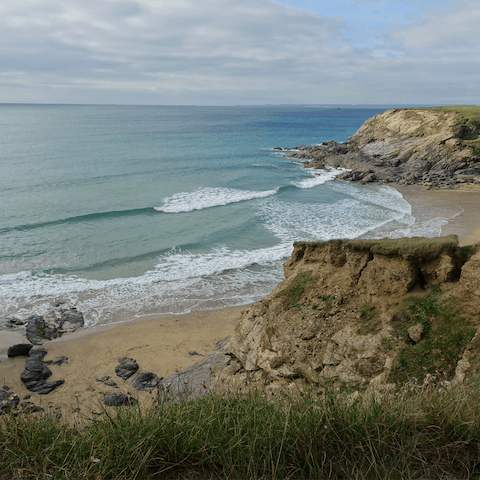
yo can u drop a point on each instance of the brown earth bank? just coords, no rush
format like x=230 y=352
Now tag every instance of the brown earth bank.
x=362 y=313
x=427 y=146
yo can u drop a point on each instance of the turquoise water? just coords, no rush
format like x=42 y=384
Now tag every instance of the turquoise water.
x=125 y=210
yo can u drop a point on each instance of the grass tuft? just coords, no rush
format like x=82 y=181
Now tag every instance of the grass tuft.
x=294 y=292
x=432 y=433
x=406 y=247
x=445 y=334
x=467 y=125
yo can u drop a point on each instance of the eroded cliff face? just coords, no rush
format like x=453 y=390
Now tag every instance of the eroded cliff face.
x=406 y=146
x=340 y=315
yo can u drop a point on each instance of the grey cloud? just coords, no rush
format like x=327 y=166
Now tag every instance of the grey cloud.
x=214 y=52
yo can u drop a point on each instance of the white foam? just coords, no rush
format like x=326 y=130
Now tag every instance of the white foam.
x=318 y=177
x=220 y=272
x=293 y=221
x=182 y=280
x=10 y=278
x=366 y=209
x=383 y=196
x=180 y=265
x=208 y=197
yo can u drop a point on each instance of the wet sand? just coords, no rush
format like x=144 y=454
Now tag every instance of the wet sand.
x=464 y=199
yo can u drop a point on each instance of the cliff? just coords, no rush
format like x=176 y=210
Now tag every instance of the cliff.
x=361 y=312
x=428 y=146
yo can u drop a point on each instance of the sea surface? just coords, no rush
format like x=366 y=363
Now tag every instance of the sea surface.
x=123 y=211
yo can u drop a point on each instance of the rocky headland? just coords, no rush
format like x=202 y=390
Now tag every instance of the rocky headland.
x=426 y=146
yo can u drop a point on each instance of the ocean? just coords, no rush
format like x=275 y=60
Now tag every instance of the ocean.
x=124 y=211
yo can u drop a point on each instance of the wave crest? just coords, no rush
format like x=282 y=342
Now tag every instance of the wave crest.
x=319 y=177
x=208 y=197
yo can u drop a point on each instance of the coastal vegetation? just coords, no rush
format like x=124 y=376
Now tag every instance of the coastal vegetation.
x=395 y=246
x=419 y=431
x=443 y=336
x=294 y=291
x=467 y=126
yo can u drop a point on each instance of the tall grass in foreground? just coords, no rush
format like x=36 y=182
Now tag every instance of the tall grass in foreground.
x=424 y=434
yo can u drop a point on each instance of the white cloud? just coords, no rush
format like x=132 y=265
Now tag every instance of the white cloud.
x=456 y=25
x=226 y=52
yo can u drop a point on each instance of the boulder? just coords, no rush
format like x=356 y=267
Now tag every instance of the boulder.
x=126 y=367
x=12 y=322
x=195 y=380
x=117 y=399
x=146 y=381
x=36 y=372
x=21 y=349
x=8 y=401
x=53 y=325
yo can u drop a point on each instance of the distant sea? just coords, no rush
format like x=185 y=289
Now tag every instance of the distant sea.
x=124 y=211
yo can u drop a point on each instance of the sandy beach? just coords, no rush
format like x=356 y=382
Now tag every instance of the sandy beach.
x=159 y=344
x=464 y=199
x=165 y=344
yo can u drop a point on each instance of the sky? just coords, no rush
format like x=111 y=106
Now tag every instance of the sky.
x=240 y=52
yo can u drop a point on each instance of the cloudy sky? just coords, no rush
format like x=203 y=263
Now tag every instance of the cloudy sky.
x=234 y=52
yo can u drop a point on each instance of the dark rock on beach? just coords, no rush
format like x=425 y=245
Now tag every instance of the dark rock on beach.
x=21 y=349
x=12 y=322
x=126 y=367
x=146 y=381
x=106 y=380
x=195 y=380
x=117 y=399
x=57 y=360
x=8 y=401
x=53 y=325
x=37 y=330
x=36 y=372
x=29 y=407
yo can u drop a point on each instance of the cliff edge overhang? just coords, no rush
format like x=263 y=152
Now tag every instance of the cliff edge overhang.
x=362 y=312
x=438 y=146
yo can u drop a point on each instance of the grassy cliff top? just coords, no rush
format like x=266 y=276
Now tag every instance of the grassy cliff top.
x=414 y=246
x=466 y=127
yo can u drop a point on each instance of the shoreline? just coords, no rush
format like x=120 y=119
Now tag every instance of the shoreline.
x=161 y=343
x=465 y=224
x=462 y=200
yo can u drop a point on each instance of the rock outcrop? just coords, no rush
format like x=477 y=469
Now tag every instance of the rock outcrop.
x=126 y=368
x=197 y=379
x=19 y=350
x=53 y=325
x=405 y=146
x=36 y=372
x=146 y=381
x=344 y=315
